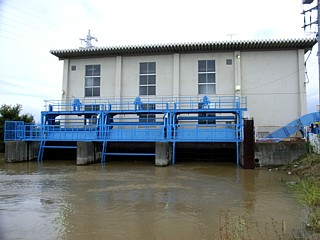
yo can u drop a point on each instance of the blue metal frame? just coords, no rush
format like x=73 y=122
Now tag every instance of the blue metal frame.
x=184 y=119
x=292 y=127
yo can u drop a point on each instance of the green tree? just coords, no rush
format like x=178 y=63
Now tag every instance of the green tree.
x=11 y=113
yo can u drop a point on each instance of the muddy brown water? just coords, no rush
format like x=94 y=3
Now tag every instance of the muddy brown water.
x=136 y=200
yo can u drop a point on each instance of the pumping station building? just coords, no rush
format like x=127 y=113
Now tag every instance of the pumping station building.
x=171 y=101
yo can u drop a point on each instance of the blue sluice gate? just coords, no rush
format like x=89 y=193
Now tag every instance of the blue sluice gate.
x=172 y=120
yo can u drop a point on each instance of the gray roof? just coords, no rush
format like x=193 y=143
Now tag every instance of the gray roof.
x=276 y=44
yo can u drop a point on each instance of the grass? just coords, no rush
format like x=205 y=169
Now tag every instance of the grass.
x=307 y=192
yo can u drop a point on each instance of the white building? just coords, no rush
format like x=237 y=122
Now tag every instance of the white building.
x=270 y=73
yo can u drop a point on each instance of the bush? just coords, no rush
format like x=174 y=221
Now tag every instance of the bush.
x=11 y=113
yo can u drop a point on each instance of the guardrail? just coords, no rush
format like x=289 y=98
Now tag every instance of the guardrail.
x=169 y=119
x=138 y=103
x=138 y=132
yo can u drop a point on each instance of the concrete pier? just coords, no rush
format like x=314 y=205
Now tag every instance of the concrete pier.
x=163 y=154
x=85 y=153
x=18 y=151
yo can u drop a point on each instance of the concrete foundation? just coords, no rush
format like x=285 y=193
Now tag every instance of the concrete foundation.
x=163 y=154
x=275 y=154
x=85 y=153
x=18 y=151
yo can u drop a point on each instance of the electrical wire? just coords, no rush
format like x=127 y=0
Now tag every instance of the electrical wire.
x=15 y=21
x=273 y=81
x=37 y=17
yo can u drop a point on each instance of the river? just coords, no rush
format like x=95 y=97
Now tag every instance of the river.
x=136 y=200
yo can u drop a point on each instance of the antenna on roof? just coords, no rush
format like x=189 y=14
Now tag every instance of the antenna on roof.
x=88 y=39
x=231 y=35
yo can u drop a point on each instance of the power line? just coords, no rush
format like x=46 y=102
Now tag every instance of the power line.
x=33 y=27
x=35 y=30
x=37 y=17
x=45 y=47
x=275 y=80
x=25 y=34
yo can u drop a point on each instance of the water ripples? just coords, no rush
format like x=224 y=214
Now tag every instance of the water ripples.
x=59 y=200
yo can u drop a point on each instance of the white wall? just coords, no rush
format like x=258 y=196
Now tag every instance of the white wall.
x=273 y=81
x=189 y=73
x=76 y=78
x=130 y=74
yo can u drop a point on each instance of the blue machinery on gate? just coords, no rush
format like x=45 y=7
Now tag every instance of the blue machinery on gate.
x=167 y=119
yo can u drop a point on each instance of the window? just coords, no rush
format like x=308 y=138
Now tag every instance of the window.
x=206 y=77
x=147 y=117
x=92 y=81
x=73 y=68
x=147 y=78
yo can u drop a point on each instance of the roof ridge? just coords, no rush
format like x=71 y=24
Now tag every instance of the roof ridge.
x=294 y=43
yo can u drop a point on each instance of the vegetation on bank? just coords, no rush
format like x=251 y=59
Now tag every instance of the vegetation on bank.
x=307 y=192
x=11 y=113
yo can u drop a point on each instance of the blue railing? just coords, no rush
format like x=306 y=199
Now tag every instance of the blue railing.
x=180 y=133
x=161 y=103
x=136 y=119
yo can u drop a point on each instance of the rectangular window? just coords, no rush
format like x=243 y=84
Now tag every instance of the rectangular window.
x=206 y=77
x=92 y=81
x=147 y=117
x=147 y=78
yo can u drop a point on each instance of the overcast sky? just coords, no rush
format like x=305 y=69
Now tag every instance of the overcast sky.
x=29 y=29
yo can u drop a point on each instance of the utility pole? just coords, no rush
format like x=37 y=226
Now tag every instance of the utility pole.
x=317 y=8
x=88 y=39
x=318 y=54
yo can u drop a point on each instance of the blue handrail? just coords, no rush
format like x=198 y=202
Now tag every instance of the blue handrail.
x=183 y=119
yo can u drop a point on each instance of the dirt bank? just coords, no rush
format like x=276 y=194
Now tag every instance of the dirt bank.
x=307 y=166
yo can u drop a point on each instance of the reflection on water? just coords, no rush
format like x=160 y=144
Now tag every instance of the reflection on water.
x=126 y=200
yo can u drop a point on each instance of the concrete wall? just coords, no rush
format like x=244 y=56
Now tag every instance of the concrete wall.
x=274 y=154
x=18 y=151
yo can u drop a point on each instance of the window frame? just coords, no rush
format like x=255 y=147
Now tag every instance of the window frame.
x=92 y=82
x=147 y=78
x=207 y=76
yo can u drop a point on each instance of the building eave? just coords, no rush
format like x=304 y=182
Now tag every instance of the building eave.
x=254 y=45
